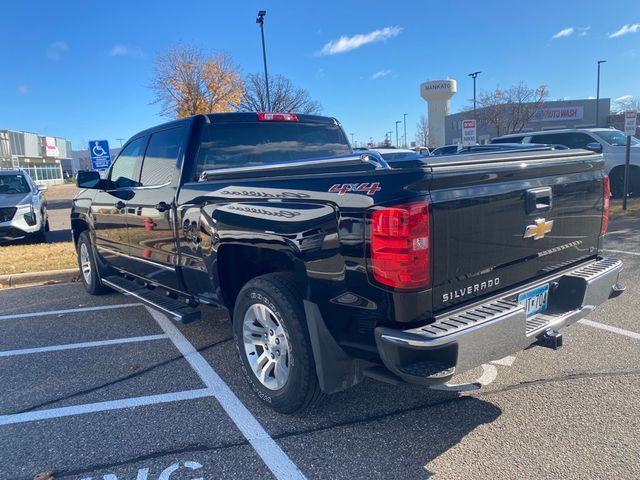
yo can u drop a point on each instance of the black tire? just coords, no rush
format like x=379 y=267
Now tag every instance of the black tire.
x=41 y=236
x=616 y=177
x=91 y=278
x=277 y=292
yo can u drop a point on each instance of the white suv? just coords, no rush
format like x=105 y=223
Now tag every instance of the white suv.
x=611 y=142
x=23 y=208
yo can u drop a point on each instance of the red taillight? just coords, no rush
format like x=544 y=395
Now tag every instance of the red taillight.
x=400 y=245
x=277 y=117
x=606 y=192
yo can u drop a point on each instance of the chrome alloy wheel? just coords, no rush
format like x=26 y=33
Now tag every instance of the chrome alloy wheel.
x=266 y=346
x=85 y=263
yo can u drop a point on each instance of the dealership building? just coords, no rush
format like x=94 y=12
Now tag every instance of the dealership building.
x=41 y=156
x=552 y=115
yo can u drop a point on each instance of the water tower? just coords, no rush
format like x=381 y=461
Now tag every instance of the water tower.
x=437 y=93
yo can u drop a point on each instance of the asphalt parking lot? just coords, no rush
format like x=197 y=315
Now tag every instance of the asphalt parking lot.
x=103 y=388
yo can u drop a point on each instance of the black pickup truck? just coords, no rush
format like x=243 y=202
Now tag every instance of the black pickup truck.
x=334 y=266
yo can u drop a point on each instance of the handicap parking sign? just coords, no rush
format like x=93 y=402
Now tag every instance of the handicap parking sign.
x=100 y=156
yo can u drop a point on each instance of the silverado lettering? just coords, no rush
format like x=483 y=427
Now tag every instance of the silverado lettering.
x=478 y=287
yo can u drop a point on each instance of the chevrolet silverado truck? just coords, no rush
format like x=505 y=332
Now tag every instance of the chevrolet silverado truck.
x=334 y=266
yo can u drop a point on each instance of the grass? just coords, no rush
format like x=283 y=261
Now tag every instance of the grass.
x=633 y=208
x=37 y=257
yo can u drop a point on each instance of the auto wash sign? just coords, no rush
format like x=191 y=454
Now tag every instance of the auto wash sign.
x=555 y=114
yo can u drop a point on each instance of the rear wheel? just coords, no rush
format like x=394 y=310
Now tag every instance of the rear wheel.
x=617 y=181
x=272 y=340
x=89 y=274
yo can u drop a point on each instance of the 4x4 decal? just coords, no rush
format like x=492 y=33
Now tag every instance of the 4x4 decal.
x=368 y=188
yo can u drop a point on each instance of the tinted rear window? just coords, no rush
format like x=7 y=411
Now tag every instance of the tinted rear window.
x=226 y=145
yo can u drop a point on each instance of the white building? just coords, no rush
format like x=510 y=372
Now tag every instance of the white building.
x=40 y=156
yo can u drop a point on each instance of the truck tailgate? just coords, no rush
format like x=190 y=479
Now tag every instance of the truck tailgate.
x=504 y=220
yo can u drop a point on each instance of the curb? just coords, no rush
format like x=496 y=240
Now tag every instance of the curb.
x=38 y=278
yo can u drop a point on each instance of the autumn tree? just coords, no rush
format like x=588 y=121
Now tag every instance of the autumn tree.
x=509 y=111
x=422 y=132
x=285 y=96
x=187 y=82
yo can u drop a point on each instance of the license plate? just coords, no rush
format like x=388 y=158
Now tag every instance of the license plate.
x=535 y=300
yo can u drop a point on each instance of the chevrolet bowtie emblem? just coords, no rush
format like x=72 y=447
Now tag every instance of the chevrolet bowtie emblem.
x=539 y=230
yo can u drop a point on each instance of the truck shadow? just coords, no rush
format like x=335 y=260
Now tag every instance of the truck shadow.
x=373 y=430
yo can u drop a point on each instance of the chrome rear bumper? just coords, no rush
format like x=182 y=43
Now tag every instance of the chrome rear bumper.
x=467 y=338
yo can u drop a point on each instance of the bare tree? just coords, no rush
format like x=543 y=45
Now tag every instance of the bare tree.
x=285 y=97
x=627 y=104
x=422 y=132
x=187 y=82
x=509 y=111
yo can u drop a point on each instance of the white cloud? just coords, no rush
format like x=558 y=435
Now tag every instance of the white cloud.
x=23 y=89
x=565 y=32
x=346 y=44
x=56 y=50
x=380 y=74
x=628 y=28
x=623 y=98
x=118 y=50
x=583 y=31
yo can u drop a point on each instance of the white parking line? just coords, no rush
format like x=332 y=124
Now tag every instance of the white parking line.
x=72 y=346
x=70 y=310
x=609 y=328
x=103 y=406
x=622 y=252
x=272 y=455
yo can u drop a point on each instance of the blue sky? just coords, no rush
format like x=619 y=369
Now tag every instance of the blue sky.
x=80 y=69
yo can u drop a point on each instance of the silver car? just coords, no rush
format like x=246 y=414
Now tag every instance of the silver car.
x=23 y=208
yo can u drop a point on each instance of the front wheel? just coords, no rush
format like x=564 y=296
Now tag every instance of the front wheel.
x=272 y=340
x=88 y=272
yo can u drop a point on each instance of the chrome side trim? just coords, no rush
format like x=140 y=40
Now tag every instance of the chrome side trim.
x=152 y=187
x=130 y=257
x=297 y=163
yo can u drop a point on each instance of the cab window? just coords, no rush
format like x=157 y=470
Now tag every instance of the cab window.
x=159 y=165
x=568 y=139
x=123 y=171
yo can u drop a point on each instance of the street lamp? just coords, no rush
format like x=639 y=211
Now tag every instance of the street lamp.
x=260 y=20
x=474 y=75
x=352 y=143
x=397 y=122
x=598 y=93
x=404 y=119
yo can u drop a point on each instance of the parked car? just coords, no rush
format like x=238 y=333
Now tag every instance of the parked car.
x=611 y=142
x=444 y=150
x=334 y=265
x=23 y=208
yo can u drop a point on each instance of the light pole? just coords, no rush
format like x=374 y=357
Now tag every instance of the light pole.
x=404 y=138
x=260 y=20
x=397 y=122
x=598 y=92
x=352 y=143
x=120 y=140
x=474 y=75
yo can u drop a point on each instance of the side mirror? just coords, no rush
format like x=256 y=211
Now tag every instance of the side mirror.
x=42 y=188
x=594 y=147
x=88 y=179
